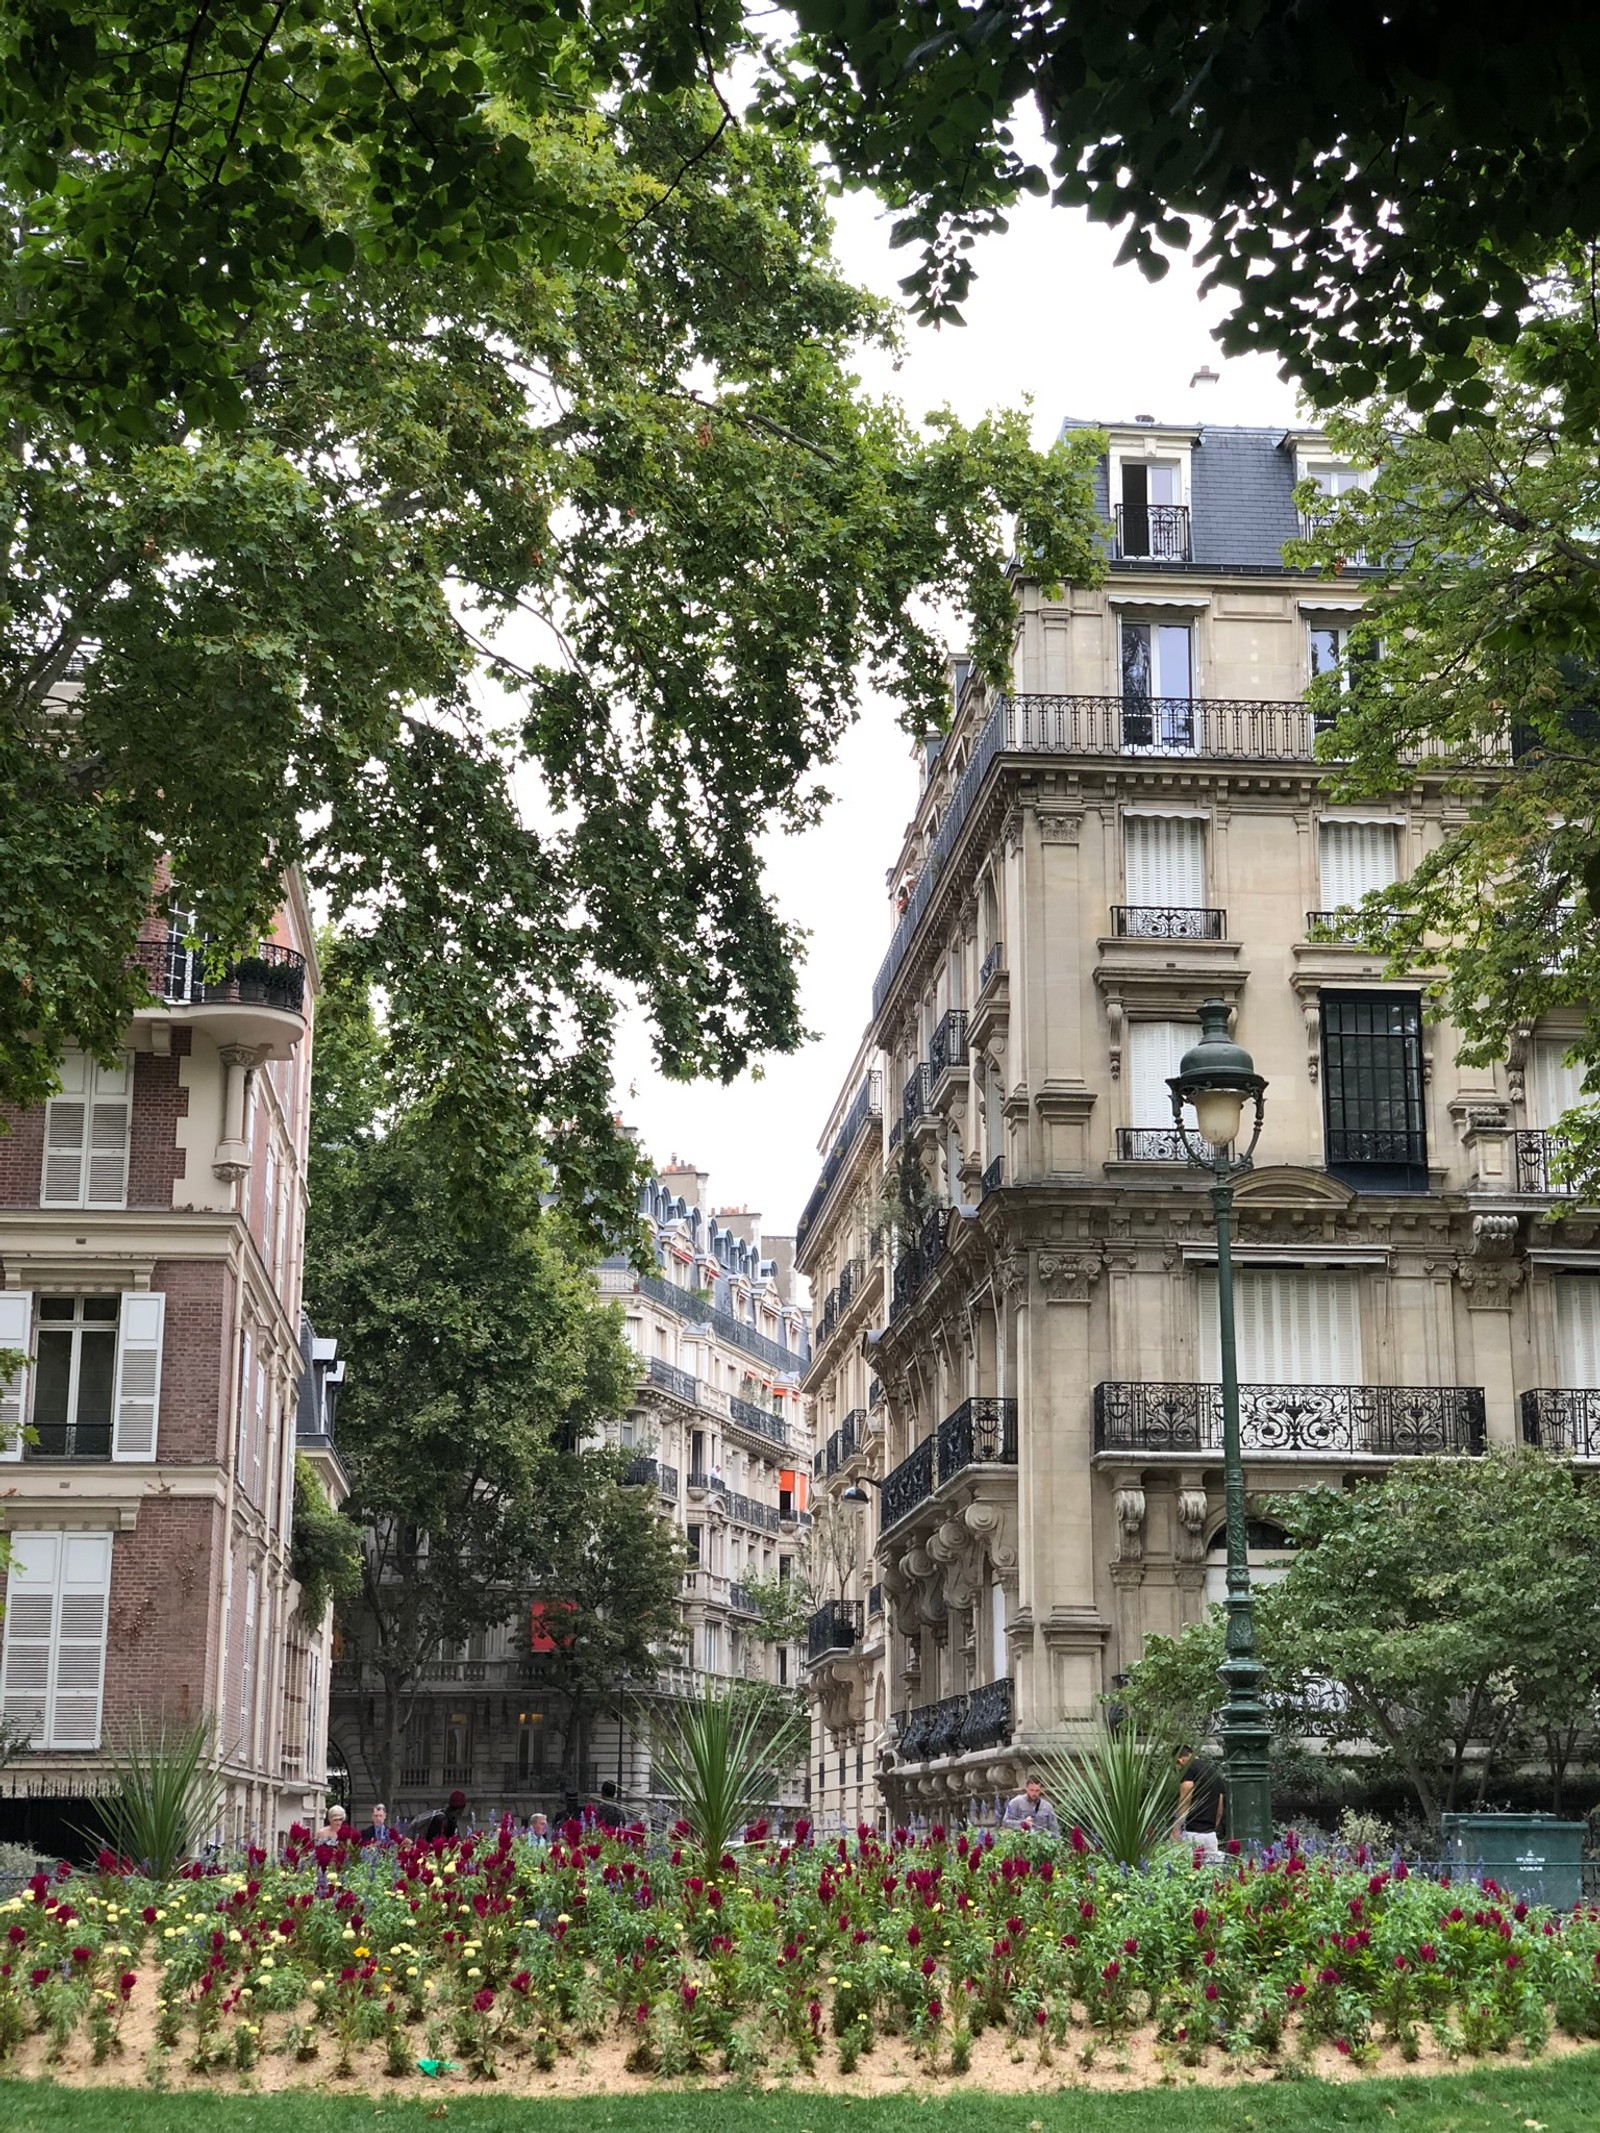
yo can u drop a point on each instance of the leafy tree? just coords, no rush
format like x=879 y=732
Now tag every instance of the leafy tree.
x=1480 y=649
x=475 y=1340
x=325 y=1549
x=1377 y=186
x=609 y=1570
x=494 y=528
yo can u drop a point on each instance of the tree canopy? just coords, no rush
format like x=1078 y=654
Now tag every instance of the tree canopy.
x=1375 y=184
x=512 y=564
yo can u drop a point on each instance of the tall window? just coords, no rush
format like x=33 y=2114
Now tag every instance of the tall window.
x=1293 y=1325
x=1151 y=518
x=1372 y=1089
x=86 y=1134
x=1157 y=686
x=1164 y=862
x=1557 y=1087
x=76 y=1373
x=1154 y=1050
x=53 y=1666
x=1356 y=858
x=1578 y=1328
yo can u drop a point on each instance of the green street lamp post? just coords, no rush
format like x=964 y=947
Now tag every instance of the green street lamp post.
x=1218 y=1078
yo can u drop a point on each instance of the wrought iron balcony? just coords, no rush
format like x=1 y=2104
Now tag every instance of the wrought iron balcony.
x=271 y=976
x=722 y=1323
x=948 y=1047
x=990 y=1715
x=907 y=1280
x=763 y=1516
x=1151 y=1144
x=667 y=1377
x=1376 y=1421
x=1167 y=922
x=874 y=1600
x=993 y=1178
x=1152 y=533
x=645 y=1473
x=852 y=1279
x=741 y=1600
x=914 y=1099
x=760 y=1421
x=956 y=1725
x=1531 y=1152
x=1330 y=925
x=835 y=1627
x=875 y=1394
x=991 y=964
x=981 y=1432
x=909 y=1484
x=1563 y=1421
x=934 y=1237
x=866 y=1105
x=700 y=1481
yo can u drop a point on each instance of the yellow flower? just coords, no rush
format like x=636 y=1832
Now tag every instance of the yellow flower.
x=267 y=1963
x=349 y=1932
x=474 y=1973
x=363 y=1951
x=411 y=1970
x=564 y=1919
x=319 y=1984
x=235 y=1934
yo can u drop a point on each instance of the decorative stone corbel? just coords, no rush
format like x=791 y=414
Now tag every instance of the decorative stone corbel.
x=1192 y=1508
x=1117 y=1026
x=232 y=1159
x=1130 y=1518
x=1068 y=1277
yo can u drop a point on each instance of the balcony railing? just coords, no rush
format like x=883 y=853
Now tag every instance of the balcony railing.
x=990 y=967
x=1331 y=925
x=874 y=1600
x=835 y=1627
x=759 y=1420
x=1378 y=1421
x=1532 y=1151
x=667 y=1377
x=723 y=1323
x=763 y=1516
x=993 y=1178
x=647 y=1473
x=909 y=1484
x=917 y=1261
x=741 y=1599
x=956 y=1724
x=914 y=1098
x=867 y=1104
x=1563 y=1421
x=948 y=1047
x=1152 y=533
x=1164 y=922
x=981 y=1432
x=271 y=976
x=1151 y=1144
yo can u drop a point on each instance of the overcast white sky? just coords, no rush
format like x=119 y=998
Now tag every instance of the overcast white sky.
x=1050 y=320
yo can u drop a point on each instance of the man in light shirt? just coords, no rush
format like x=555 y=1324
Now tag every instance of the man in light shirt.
x=1031 y=1810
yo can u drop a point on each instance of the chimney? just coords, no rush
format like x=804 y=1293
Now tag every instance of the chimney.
x=744 y=1225
x=686 y=1182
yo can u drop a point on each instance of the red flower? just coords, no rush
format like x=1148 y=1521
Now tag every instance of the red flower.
x=1130 y=1947
x=1297 y=1991
x=1427 y=1953
x=37 y=1977
x=148 y=1914
x=82 y=1955
x=1112 y=1970
x=1327 y=1977
x=1201 y=1917
x=690 y=1993
x=929 y=1966
x=935 y=2010
x=1212 y=1992
x=482 y=2000
x=1342 y=2044
x=126 y=1983
x=17 y=1935
x=914 y=1937
x=1078 y=1840
x=802 y=1830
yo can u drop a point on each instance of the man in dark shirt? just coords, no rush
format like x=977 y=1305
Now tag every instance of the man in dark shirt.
x=606 y=1811
x=1200 y=1801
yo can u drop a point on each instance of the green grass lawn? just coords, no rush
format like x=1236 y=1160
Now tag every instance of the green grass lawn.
x=1559 y=2098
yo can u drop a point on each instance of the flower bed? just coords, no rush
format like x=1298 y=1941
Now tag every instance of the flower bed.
x=493 y=1957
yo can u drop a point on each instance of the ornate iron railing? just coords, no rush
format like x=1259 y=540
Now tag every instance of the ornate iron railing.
x=1167 y=922
x=1151 y=1144
x=990 y=1715
x=867 y=1104
x=741 y=1600
x=945 y=1721
x=981 y=1432
x=907 y=1280
x=667 y=1377
x=934 y=1237
x=991 y=965
x=1152 y=533
x=723 y=1323
x=874 y=1600
x=993 y=1178
x=1565 y=1420
x=852 y=1280
x=1531 y=1151
x=852 y=1434
x=835 y=1627
x=907 y=1485
x=948 y=1046
x=270 y=976
x=758 y=1420
x=1329 y=925
x=642 y=1473
x=914 y=1098
x=763 y=1516
x=1383 y=1421
x=875 y=1394
x=699 y=1481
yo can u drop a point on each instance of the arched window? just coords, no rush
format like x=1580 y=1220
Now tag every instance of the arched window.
x=1269 y=1552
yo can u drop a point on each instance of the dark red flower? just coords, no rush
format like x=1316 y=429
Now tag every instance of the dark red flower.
x=482 y=2000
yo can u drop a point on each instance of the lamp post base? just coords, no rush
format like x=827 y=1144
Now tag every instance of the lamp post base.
x=1246 y=1753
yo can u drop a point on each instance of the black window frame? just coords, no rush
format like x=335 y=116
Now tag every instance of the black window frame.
x=1364 y=1143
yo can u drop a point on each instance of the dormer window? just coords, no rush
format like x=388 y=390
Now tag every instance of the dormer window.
x=1152 y=517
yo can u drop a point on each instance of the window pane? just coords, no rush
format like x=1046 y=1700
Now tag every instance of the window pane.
x=52 y=1380
x=56 y=1307
x=1372 y=1082
x=101 y=1309
x=97 y=1370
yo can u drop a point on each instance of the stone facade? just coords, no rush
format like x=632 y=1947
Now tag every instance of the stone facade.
x=1139 y=827
x=151 y=1224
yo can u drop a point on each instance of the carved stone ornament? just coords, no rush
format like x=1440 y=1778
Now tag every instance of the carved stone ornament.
x=1494 y=1236
x=995 y=1526
x=1058 y=826
x=1517 y=1062
x=1068 y=1277
x=1130 y=1519
x=1191 y=1535
x=1117 y=1025
x=1490 y=1286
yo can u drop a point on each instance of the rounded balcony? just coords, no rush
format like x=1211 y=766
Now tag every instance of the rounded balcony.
x=256 y=999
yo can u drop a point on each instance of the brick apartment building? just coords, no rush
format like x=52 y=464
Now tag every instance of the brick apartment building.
x=151 y=1226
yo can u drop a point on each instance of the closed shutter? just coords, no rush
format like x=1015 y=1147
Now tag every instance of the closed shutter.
x=53 y=1674
x=1578 y=1329
x=241 y=1452
x=247 y=1673
x=1165 y=861
x=1356 y=858
x=110 y=1122
x=1291 y=1327
x=1557 y=1087
x=66 y=1130
x=1154 y=1050
x=16 y=1325
x=258 y=1432
x=80 y=1665
x=86 y=1132
x=138 y=1395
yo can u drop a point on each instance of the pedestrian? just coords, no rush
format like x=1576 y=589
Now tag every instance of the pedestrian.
x=538 y=1829
x=1029 y=1809
x=378 y=1830
x=333 y=1830
x=1201 y=1802
x=606 y=1810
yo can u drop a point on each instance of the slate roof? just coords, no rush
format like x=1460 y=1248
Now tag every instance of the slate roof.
x=1241 y=495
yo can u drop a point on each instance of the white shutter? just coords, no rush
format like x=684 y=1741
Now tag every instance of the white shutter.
x=1557 y=1087
x=110 y=1121
x=241 y=1450
x=66 y=1128
x=80 y=1657
x=1356 y=858
x=258 y=1431
x=1154 y=1050
x=247 y=1673
x=1291 y=1327
x=16 y=1324
x=138 y=1395
x=1578 y=1329
x=1165 y=861
x=29 y=1633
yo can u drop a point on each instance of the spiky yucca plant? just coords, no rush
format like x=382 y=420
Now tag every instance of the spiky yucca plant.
x=168 y=1793
x=718 y=1762
x=1123 y=1793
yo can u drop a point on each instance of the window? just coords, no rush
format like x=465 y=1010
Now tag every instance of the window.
x=1154 y=1050
x=1157 y=686
x=1293 y=1326
x=53 y=1669
x=713 y=1640
x=1268 y=1551
x=1356 y=858
x=1151 y=519
x=1557 y=1087
x=247 y=1674
x=75 y=1372
x=86 y=1134
x=1164 y=861
x=1372 y=1089
x=1578 y=1329
x=692 y=1539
